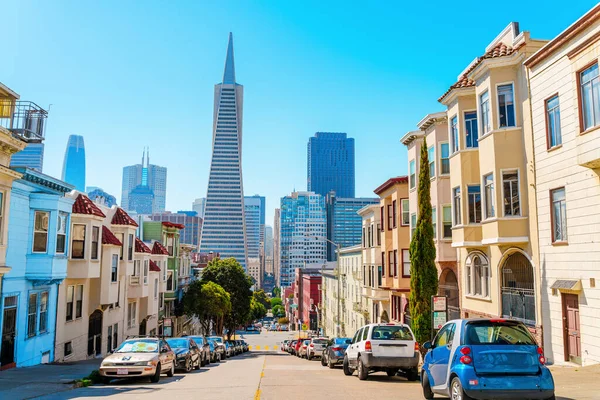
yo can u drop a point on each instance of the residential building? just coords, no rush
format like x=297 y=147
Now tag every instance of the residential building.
x=492 y=183
x=376 y=298
x=192 y=224
x=255 y=272
x=97 y=195
x=277 y=247
x=329 y=303
x=307 y=295
x=344 y=225
x=434 y=129
x=198 y=206
x=37 y=244
x=302 y=233
x=73 y=171
x=32 y=156
x=564 y=86
x=331 y=164
x=223 y=230
x=395 y=244
x=144 y=187
x=353 y=306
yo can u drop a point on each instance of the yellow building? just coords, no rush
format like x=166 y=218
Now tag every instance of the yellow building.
x=491 y=172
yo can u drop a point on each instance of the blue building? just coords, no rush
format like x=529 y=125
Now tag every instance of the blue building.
x=31 y=156
x=331 y=164
x=37 y=252
x=73 y=171
x=98 y=195
x=344 y=225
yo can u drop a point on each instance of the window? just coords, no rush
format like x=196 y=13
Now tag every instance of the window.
x=395 y=263
x=364 y=242
x=382 y=218
x=78 y=301
x=454 y=133
x=456 y=202
x=131 y=309
x=95 y=239
x=78 y=241
x=40 y=232
x=161 y=300
x=378 y=234
x=434 y=222
x=405 y=263
x=365 y=333
x=553 y=122
x=510 y=187
x=130 y=248
x=114 y=268
x=1 y=216
x=164 y=270
x=390 y=263
x=589 y=89
x=121 y=237
x=447 y=221
x=170 y=282
x=506 y=105
x=43 y=312
x=413 y=170
x=68 y=349
x=371 y=238
x=413 y=224
x=61 y=232
x=383 y=264
x=484 y=104
x=115 y=335
x=32 y=315
x=474 y=193
x=559 y=215
x=379 y=276
x=70 y=296
x=488 y=181
x=135 y=278
x=444 y=159
x=445 y=336
x=155 y=288
x=170 y=241
x=109 y=345
x=145 y=272
x=394 y=207
x=431 y=158
x=477 y=275
x=404 y=204
x=390 y=217
x=471 y=130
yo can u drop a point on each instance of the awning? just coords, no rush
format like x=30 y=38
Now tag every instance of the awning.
x=567 y=285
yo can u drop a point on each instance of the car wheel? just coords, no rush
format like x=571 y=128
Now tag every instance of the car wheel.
x=330 y=363
x=427 y=392
x=309 y=357
x=156 y=377
x=346 y=367
x=105 y=380
x=171 y=371
x=391 y=372
x=456 y=390
x=198 y=363
x=188 y=365
x=412 y=374
x=363 y=372
x=323 y=363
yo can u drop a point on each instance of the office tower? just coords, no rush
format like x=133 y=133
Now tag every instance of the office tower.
x=149 y=183
x=268 y=241
x=331 y=164
x=198 y=206
x=32 y=156
x=223 y=230
x=277 y=247
x=192 y=223
x=303 y=233
x=252 y=212
x=98 y=195
x=73 y=171
x=344 y=225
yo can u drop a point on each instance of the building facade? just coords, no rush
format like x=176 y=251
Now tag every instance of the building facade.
x=353 y=307
x=144 y=187
x=331 y=164
x=26 y=120
x=223 y=230
x=32 y=156
x=192 y=224
x=302 y=233
x=97 y=195
x=277 y=247
x=73 y=171
x=252 y=214
x=198 y=206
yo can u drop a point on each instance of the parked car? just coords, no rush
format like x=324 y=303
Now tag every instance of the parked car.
x=315 y=347
x=245 y=346
x=292 y=347
x=214 y=355
x=205 y=352
x=298 y=346
x=144 y=356
x=285 y=345
x=284 y=327
x=383 y=347
x=303 y=351
x=233 y=346
x=187 y=353
x=241 y=345
x=335 y=351
x=221 y=346
x=475 y=358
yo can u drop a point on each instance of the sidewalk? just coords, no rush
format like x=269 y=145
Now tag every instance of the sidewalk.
x=31 y=382
x=580 y=383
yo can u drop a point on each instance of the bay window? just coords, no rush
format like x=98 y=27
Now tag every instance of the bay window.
x=447 y=221
x=61 y=232
x=589 y=88
x=474 y=193
x=506 y=105
x=484 y=107
x=510 y=187
x=488 y=182
x=456 y=204
x=431 y=159
x=444 y=159
x=78 y=241
x=454 y=133
x=40 y=232
x=471 y=130
x=412 y=166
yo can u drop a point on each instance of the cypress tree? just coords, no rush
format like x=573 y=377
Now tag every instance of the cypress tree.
x=423 y=276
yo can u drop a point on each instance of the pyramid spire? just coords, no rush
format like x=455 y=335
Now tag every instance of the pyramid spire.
x=229 y=73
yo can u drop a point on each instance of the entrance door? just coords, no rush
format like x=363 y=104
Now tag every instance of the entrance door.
x=143 y=327
x=95 y=334
x=572 y=334
x=9 y=326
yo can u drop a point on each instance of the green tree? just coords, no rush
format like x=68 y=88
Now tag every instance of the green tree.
x=276 y=301
x=278 y=311
x=257 y=311
x=283 y=321
x=262 y=298
x=231 y=276
x=423 y=274
x=208 y=302
x=276 y=292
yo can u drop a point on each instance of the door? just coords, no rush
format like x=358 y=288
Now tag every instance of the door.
x=352 y=350
x=572 y=336
x=440 y=354
x=9 y=326
x=95 y=334
x=143 y=327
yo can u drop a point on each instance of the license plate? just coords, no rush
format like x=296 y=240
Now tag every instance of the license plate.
x=122 y=371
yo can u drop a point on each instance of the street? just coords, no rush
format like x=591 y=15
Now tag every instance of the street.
x=273 y=375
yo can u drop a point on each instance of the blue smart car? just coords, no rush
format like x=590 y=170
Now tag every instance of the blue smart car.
x=485 y=359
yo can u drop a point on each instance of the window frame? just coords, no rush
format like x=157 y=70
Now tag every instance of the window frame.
x=395 y=263
x=73 y=240
x=485 y=196
x=456 y=206
x=64 y=224
x=413 y=225
x=78 y=301
x=404 y=262
x=445 y=222
x=556 y=117
x=475 y=142
x=405 y=210
x=95 y=253
x=469 y=204
x=114 y=268
x=70 y=305
x=505 y=171
x=431 y=160
x=485 y=129
x=582 y=127
x=412 y=172
x=514 y=102
x=442 y=158
x=37 y=232
x=434 y=221
x=454 y=135
x=43 y=325
x=130 y=247
x=32 y=311
x=389 y=217
x=565 y=238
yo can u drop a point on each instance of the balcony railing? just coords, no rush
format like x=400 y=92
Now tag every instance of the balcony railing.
x=25 y=119
x=134 y=280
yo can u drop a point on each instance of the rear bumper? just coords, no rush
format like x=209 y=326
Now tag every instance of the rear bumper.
x=509 y=394
x=371 y=361
x=316 y=353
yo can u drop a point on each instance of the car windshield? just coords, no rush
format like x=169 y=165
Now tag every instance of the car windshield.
x=393 y=332
x=498 y=332
x=138 y=346
x=306 y=341
x=342 y=341
x=320 y=341
x=199 y=340
x=216 y=338
x=178 y=343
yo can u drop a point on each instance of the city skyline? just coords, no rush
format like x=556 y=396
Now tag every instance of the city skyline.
x=74 y=163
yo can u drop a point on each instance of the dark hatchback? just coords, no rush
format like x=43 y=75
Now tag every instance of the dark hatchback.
x=335 y=351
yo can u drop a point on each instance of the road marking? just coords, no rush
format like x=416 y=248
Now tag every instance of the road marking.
x=262 y=375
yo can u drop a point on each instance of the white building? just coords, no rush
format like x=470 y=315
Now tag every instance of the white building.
x=354 y=312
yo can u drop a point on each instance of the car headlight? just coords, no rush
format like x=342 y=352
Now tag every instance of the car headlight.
x=182 y=355
x=144 y=363
x=107 y=364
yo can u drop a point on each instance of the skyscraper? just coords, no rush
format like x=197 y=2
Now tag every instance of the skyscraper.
x=277 y=247
x=331 y=164
x=223 y=230
x=31 y=156
x=268 y=241
x=252 y=215
x=198 y=206
x=303 y=227
x=148 y=183
x=73 y=171
x=98 y=195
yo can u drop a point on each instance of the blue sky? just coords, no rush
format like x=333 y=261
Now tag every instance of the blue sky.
x=131 y=74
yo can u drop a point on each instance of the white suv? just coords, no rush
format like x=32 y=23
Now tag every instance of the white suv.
x=383 y=347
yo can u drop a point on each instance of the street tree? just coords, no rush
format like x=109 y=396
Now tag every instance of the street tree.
x=257 y=311
x=278 y=311
x=276 y=292
x=423 y=273
x=276 y=301
x=231 y=276
x=262 y=298
x=208 y=302
x=283 y=321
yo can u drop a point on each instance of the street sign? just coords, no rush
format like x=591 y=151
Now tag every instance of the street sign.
x=304 y=327
x=439 y=303
x=167 y=322
x=439 y=319
x=439 y=313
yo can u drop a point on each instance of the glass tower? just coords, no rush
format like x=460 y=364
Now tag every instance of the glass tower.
x=223 y=229
x=31 y=156
x=252 y=213
x=331 y=164
x=73 y=171
x=140 y=178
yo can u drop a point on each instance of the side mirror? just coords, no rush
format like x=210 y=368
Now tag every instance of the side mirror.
x=164 y=350
x=427 y=346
